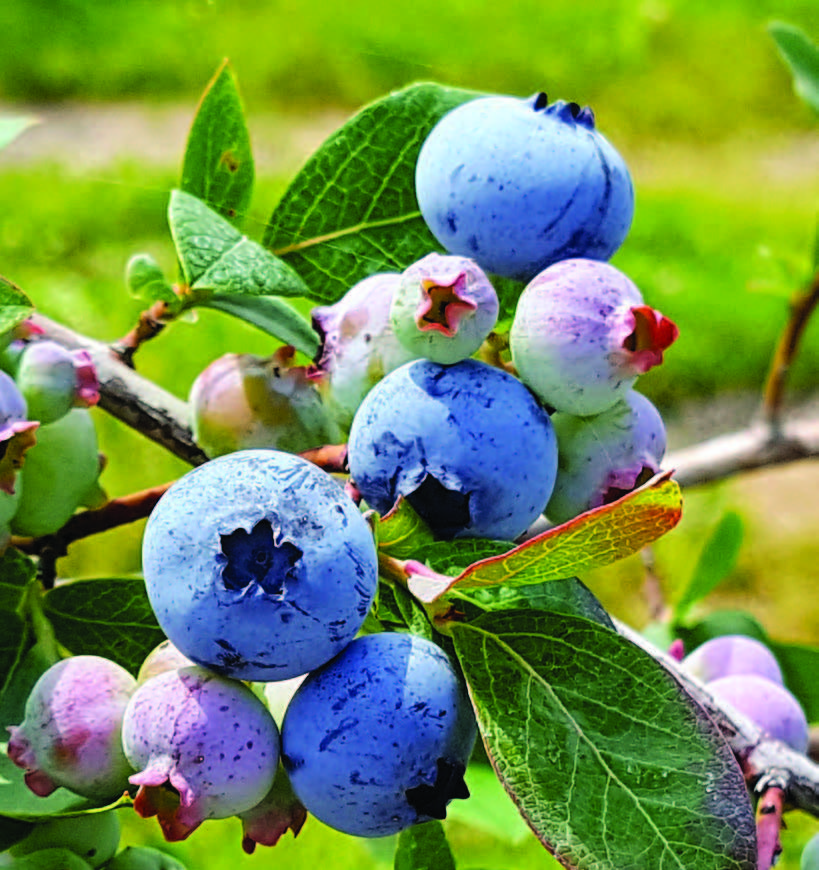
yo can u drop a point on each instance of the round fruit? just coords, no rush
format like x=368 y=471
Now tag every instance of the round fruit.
x=581 y=335
x=771 y=706
x=204 y=746
x=379 y=738
x=601 y=458
x=94 y=837
x=258 y=565
x=518 y=184
x=467 y=445
x=810 y=854
x=70 y=735
x=732 y=654
x=444 y=308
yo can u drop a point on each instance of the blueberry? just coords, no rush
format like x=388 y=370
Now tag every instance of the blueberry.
x=601 y=458
x=242 y=401
x=60 y=474
x=379 y=738
x=768 y=704
x=581 y=335
x=71 y=733
x=467 y=445
x=518 y=184
x=53 y=380
x=358 y=344
x=94 y=837
x=732 y=654
x=810 y=854
x=444 y=308
x=258 y=565
x=204 y=747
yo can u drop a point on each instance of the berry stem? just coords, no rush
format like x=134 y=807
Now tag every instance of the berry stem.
x=773 y=396
x=768 y=824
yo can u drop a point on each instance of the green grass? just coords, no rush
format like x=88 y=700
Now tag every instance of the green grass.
x=696 y=70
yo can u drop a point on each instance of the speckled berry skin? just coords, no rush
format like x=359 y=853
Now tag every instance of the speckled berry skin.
x=601 y=458
x=358 y=344
x=377 y=740
x=209 y=738
x=518 y=184
x=732 y=654
x=444 y=308
x=581 y=335
x=467 y=445
x=770 y=705
x=258 y=565
x=71 y=733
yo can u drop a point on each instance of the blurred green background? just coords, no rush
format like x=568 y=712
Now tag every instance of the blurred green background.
x=725 y=160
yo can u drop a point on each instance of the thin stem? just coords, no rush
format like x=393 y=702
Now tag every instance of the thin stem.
x=150 y=323
x=773 y=394
x=768 y=825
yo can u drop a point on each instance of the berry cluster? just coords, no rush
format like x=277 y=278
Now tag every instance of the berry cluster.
x=45 y=391
x=745 y=674
x=261 y=568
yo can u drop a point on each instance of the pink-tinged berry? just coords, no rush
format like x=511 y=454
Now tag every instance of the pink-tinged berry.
x=53 y=380
x=768 y=704
x=582 y=334
x=17 y=434
x=603 y=457
x=444 y=308
x=71 y=733
x=241 y=401
x=732 y=654
x=204 y=747
x=358 y=344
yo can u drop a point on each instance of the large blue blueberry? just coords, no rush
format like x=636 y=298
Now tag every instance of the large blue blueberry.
x=467 y=445
x=379 y=738
x=518 y=184
x=258 y=565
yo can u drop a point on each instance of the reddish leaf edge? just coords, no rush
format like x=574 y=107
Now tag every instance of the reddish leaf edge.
x=428 y=586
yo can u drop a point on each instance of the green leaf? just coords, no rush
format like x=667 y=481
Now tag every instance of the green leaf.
x=454 y=557
x=12 y=831
x=396 y=608
x=802 y=57
x=146 y=280
x=16 y=570
x=218 y=164
x=402 y=532
x=11 y=128
x=569 y=595
x=424 y=847
x=15 y=306
x=217 y=258
x=32 y=661
x=51 y=859
x=351 y=211
x=610 y=762
x=17 y=801
x=109 y=617
x=717 y=560
x=271 y=314
x=800 y=665
x=591 y=540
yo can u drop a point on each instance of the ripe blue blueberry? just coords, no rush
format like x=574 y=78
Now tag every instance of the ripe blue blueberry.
x=258 y=565
x=601 y=458
x=518 y=184
x=467 y=445
x=581 y=335
x=732 y=654
x=770 y=705
x=444 y=308
x=204 y=747
x=379 y=738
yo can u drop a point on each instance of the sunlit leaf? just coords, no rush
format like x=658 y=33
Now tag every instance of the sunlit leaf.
x=802 y=57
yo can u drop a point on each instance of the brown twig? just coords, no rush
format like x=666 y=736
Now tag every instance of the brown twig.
x=773 y=394
x=150 y=323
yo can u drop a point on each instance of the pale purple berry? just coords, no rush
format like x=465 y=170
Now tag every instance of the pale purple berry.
x=53 y=380
x=71 y=733
x=582 y=334
x=444 y=308
x=732 y=654
x=164 y=657
x=17 y=434
x=358 y=345
x=768 y=704
x=601 y=458
x=242 y=401
x=204 y=747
